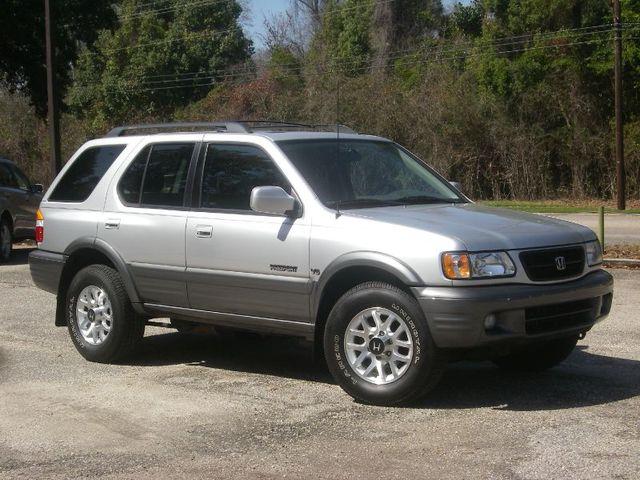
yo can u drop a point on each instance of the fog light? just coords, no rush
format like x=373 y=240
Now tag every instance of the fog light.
x=490 y=322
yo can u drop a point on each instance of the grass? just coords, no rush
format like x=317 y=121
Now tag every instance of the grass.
x=562 y=205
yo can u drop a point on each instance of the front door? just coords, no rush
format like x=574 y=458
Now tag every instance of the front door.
x=240 y=261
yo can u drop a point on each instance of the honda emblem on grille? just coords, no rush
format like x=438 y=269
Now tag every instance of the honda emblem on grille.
x=561 y=263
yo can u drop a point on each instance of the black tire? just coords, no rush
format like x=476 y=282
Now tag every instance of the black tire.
x=5 y=229
x=127 y=327
x=426 y=367
x=538 y=357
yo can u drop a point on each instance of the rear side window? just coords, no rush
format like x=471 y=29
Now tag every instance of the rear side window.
x=158 y=176
x=232 y=171
x=85 y=173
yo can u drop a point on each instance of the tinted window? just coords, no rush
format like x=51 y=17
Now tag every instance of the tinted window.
x=363 y=173
x=131 y=181
x=232 y=171
x=6 y=178
x=21 y=178
x=85 y=173
x=165 y=178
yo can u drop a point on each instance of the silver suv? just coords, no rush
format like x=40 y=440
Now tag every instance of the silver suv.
x=348 y=240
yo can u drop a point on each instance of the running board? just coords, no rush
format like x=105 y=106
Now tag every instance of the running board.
x=234 y=320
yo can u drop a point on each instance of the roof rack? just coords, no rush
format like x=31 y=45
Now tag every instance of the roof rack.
x=230 y=127
x=239 y=126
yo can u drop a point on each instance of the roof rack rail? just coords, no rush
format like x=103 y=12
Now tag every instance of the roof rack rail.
x=272 y=125
x=230 y=127
x=236 y=126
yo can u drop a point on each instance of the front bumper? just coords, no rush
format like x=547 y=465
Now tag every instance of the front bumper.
x=46 y=269
x=523 y=313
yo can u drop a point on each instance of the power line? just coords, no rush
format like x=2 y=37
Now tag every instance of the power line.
x=167 y=9
x=454 y=52
x=173 y=78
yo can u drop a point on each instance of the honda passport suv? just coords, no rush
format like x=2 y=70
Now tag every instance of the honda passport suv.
x=347 y=240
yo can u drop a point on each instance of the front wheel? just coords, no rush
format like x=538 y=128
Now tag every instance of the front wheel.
x=102 y=323
x=538 y=357
x=378 y=346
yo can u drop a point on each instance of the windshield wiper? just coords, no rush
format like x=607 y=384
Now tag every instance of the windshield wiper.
x=362 y=202
x=418 y=199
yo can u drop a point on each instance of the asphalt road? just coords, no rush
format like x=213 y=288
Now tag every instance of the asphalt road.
x=619 y=229
x=191 y=406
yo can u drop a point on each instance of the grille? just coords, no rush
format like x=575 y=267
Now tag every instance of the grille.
x=560 y=316
x=541 y=265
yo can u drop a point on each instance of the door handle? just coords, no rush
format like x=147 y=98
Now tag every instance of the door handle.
x=112 y=224
x=204 y=231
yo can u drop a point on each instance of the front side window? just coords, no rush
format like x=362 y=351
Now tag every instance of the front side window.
x=365 y=173
x=21 y=179
x=157 y=177
x=6 y=178
x=82 y=177
x=232 y=171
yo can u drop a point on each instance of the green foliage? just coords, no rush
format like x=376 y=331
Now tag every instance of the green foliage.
x=344 y=36
x=131 y=68
x=511 y=97
x=467 y=19
x=22 y=62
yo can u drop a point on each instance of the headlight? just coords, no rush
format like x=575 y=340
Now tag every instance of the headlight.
x=594 y=253
x=477 y=265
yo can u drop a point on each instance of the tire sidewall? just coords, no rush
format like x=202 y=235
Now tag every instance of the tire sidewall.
x=424 y=357
x=5 y=227
x=85 y=277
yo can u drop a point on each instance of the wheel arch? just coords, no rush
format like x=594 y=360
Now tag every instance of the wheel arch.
x=350 y=270
x=89 y=251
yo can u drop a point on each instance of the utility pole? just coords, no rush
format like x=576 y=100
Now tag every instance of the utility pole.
x=620 y=171
x=52 y=93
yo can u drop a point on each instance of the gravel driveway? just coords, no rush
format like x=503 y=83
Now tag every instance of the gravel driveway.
x=196 y=406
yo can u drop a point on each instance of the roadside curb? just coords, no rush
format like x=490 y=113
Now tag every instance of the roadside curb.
x=626 y=262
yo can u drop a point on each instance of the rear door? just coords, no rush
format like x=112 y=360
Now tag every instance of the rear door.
x=240 y=261
x=145 y=217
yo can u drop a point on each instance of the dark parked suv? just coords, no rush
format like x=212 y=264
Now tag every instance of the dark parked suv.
x=19 y=200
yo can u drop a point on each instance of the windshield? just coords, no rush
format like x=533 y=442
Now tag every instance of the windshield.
x=366 y=173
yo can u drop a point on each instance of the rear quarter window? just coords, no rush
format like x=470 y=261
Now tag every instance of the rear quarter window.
x=82 y=177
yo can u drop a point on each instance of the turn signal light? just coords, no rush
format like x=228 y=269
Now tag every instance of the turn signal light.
x=456 y=265
x=39 y=227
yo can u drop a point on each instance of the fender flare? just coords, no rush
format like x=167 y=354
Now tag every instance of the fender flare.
x=93 y=243
x=378 y=260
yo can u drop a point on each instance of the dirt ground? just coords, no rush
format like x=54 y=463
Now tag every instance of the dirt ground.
x=197 y=406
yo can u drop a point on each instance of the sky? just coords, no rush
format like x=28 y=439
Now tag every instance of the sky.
x=259 y=9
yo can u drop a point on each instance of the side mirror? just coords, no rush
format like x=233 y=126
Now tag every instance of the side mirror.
x=37 y=188
x=456 y=185
x=273 y=200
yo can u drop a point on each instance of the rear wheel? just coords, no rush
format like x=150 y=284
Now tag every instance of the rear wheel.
x=101 y=321
x=378 y=346
x=538 y=357
x=6 y=241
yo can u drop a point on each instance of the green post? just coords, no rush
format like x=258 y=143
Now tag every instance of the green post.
x=601 y=227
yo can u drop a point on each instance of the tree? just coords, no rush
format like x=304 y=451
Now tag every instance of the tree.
x=22 y=62
x=156 y=61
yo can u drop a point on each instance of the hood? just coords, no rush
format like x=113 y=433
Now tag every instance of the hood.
x=481 y=228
